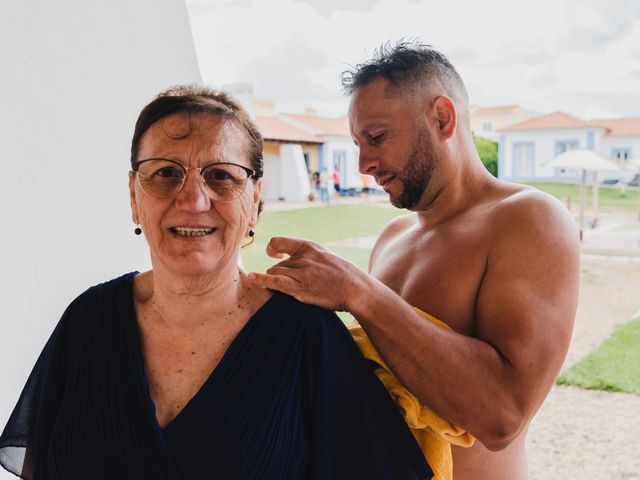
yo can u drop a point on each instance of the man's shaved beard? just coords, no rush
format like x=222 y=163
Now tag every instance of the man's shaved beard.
x=417 y=172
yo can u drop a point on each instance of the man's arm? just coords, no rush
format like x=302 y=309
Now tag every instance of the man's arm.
x=490 y=384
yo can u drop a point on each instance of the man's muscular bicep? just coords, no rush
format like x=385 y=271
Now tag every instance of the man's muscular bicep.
x=527 y=300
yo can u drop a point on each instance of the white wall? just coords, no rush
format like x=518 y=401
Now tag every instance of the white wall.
x=544 y=149
x=294 y=180
x=272 y=178
x=74 y=76
x=633 y=143
x=349 y=174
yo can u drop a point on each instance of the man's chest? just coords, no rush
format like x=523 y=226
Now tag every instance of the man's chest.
x=440 y=274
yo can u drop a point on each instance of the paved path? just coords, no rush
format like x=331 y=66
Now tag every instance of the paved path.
x=585 y=434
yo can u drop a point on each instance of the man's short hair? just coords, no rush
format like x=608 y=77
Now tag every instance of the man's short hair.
x=407 y=65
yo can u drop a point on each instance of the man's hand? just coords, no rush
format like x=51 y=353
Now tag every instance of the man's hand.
x=311 y=274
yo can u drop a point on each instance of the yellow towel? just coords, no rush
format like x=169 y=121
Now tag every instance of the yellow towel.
x=434 y=434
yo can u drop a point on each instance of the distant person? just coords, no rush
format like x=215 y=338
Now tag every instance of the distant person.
x=312 y=186
x=315 y=182
x=189 y=371
x=497 y=262
x=323 y=186
x=336 y=180
x=365 y=183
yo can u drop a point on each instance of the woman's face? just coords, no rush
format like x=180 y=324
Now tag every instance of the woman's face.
x=195 y=140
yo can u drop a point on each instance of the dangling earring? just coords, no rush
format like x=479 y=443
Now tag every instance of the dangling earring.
x=250 y=234
x=137 y=230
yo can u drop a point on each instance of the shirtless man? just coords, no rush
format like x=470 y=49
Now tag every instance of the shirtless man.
x=498 y=262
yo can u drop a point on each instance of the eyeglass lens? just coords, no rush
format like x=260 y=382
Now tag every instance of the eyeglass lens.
x=163 y=178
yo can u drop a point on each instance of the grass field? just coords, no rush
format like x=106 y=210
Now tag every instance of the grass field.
x=609 y=196
x=322 y=224
x=613 y=366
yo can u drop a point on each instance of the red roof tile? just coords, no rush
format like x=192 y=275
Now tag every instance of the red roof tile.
x=272 y=128
x=323 y=125
x=550 y=121
x=620 y=127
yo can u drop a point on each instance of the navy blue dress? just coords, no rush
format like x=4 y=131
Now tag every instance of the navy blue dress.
x=292 y=398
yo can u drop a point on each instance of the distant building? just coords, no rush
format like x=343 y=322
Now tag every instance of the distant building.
x=337 y=150
x=525 y=147
x=290 y=153
x=487 y=121
x=622 y=140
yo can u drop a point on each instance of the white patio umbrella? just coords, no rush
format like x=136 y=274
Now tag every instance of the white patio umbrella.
x=586 y=161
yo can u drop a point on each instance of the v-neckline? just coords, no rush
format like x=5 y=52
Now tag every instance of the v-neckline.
x=212 y=375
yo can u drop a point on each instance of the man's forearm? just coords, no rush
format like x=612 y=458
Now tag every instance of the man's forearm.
x=459 y=377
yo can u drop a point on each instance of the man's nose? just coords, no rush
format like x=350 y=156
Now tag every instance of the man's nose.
x=193 y=196
x=367 y=161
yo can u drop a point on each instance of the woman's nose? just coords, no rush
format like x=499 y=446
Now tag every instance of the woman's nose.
x=193 y=196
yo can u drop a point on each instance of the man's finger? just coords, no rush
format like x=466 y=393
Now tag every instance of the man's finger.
x=291 y=263
x=282 y=283
x=288 y=245
x=284 y=271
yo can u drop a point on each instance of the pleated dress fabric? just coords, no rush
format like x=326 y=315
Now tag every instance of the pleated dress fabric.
x=292 y=398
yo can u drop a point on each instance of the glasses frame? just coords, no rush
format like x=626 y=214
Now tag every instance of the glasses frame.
x=251 y=174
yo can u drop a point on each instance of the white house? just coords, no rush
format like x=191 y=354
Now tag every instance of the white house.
x=486 y=122
x=525 y=147
x=622 y=140
x=337 y=150
x=289 y=154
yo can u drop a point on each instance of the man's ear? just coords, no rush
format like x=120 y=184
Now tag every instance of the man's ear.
x=446 y=117
x=132 y=198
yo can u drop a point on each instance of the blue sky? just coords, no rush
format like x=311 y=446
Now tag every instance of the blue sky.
x=578 y=56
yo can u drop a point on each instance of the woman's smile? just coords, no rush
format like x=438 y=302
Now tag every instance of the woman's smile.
x=192 y=231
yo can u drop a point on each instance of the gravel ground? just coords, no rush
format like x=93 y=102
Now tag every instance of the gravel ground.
x=584 y=434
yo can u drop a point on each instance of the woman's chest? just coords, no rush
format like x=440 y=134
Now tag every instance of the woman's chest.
x=246 y=420
x=177 y=366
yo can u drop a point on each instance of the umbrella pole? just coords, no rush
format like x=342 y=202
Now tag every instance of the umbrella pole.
x=583 y=183
x=595 y=195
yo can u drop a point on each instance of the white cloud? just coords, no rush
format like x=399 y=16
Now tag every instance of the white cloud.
x=327 y=7
x=545 y=55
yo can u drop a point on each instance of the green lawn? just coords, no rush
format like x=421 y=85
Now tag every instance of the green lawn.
x=321 y=224
x=609 y=196
x=613 y=366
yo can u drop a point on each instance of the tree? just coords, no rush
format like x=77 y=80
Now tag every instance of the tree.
x=488 y=152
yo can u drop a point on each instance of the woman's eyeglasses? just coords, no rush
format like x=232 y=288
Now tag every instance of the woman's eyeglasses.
x=161 y=178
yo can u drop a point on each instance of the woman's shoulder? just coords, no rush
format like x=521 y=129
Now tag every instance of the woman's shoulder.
x=116 y=287
x=97 y=301
x=318 y=323
x=302 y=311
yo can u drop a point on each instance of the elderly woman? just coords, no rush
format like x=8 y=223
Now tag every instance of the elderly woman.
x=190 y=371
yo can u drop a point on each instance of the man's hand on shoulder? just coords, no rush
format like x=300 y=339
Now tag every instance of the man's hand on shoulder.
x=312 y=274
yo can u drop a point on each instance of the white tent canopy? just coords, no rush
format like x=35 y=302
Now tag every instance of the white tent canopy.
x=586 y=161
x=582 y=160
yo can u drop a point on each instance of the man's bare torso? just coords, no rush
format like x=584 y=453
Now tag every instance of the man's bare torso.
x=440 y=271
